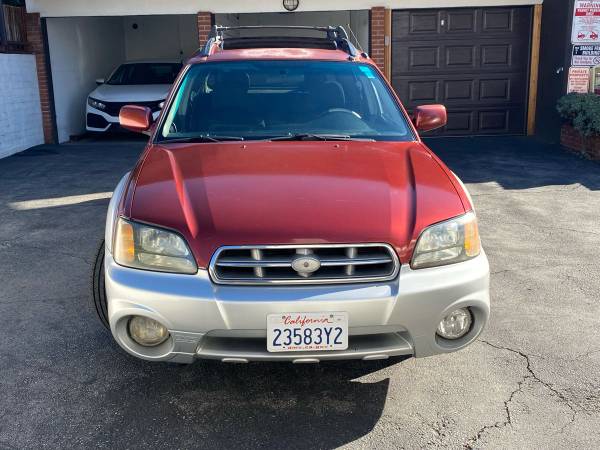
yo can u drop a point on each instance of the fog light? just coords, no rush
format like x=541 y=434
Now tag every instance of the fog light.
x=456 y=324
x=147 y=332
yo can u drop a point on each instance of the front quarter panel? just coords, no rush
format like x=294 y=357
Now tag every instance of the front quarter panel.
x=113 y=211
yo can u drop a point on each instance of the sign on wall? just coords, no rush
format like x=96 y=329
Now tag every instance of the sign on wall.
x=586 y=55
x=586 y=22
x=579 y=80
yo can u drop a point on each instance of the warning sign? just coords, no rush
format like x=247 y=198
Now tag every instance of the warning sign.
x=579 y=80
x=586 y=55
x=586 y=22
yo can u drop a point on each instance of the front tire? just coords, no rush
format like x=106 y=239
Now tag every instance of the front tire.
x=98 y=288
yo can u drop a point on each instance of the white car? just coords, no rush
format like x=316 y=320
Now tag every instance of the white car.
x=144 y=83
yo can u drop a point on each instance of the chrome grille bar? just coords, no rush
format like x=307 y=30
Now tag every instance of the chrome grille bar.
x=257 y=256
x=351 y=254
x=230 y=262
x=274 y=264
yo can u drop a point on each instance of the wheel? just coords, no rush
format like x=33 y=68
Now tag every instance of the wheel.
x=98 y=289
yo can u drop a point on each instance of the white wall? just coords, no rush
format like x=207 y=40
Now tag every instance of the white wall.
x=81 y=50
x=160 y=37
x=359 y=22
x=67 y=8
x=20 y=113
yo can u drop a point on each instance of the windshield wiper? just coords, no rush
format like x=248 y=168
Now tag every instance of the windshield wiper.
x=316 y=137
x=202 y=138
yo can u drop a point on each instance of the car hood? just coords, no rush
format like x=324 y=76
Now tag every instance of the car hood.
x=293 y=193
x=130 y=92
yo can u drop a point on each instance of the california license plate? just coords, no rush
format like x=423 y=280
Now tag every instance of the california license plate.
x=301 y=332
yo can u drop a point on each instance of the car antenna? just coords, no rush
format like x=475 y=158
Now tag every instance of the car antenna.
x=355 y=39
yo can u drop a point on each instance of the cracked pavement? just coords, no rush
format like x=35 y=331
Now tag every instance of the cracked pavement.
x=531 y=381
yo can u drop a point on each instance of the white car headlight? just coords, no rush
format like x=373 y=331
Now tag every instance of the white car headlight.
x=96 y=103
x=145 y=247
x=448 y=242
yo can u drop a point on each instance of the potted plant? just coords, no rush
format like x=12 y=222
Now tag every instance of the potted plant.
x=581 y=123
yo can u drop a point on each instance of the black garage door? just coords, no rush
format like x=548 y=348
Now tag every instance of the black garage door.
x=473 y=60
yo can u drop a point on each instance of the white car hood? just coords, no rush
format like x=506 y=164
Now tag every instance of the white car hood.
x=130 y=92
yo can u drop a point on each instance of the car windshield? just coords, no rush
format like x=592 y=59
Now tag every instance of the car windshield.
x=145 y=73
x=284 y=100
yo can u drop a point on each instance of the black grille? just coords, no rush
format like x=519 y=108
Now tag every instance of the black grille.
x=96 y=121
x=113 y=108
x=284 y=264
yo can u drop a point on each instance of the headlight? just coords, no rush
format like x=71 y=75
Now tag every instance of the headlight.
x=448 y=242
x=145 y=247
x=96 y=103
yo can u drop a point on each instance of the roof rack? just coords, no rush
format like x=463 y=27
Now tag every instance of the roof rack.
x=335 y=38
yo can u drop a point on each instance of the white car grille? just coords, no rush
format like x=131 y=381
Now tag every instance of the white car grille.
x=304 y=264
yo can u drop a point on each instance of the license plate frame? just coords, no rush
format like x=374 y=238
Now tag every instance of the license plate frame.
x=333 y=334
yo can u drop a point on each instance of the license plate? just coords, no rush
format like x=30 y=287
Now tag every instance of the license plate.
x=301 y=332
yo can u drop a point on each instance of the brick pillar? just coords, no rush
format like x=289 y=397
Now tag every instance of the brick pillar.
x=204 y=20
x=378 y=35
x=35 y=41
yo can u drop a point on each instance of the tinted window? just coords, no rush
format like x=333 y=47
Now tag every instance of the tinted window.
x=145 y=73
x=265 y=99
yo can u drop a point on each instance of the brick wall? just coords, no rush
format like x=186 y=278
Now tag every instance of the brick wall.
x=36 y=46
x=377 y=35
x=571 y=139
x=20 y=113
x=204 y=20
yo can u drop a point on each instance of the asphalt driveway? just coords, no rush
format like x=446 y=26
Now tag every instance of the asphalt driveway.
x=531 y=381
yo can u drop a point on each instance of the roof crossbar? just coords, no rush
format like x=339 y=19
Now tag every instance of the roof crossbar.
x=335 y=36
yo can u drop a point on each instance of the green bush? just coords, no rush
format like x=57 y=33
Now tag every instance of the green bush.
x=582 y=111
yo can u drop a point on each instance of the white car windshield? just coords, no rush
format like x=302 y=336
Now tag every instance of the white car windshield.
x=278 y=99
x=145 y=73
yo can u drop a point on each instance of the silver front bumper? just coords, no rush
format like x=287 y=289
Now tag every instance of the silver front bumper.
x=228 y=323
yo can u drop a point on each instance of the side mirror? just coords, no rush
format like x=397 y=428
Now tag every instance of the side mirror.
x=430 y=117
x=99 y=81
x=135 y=118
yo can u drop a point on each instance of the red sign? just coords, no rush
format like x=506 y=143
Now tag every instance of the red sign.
x=586 y=22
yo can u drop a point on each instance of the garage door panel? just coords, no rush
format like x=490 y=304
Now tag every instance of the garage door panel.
x=512 y=55
x=473 y=60
x=506 y=21
x=494 y=55
x=502 y=89
x=481 y=121
x=457 y=56
x=461 y=21
x=497 y=90
x=423 y=58
x=460 y=56
x=422 y=23
x=420 y=92
x=460 y=122
x=458 y=90
x=498 y=20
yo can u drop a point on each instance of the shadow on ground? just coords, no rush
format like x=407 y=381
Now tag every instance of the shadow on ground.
x=514 y=162
x=209 y=404
x=66 y=383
